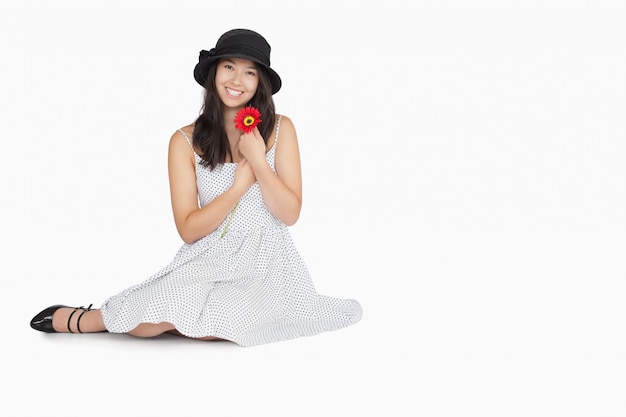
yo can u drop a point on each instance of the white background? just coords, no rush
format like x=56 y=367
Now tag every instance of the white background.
x=464 y=178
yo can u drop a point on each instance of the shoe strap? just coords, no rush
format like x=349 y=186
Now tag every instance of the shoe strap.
x=84 y=310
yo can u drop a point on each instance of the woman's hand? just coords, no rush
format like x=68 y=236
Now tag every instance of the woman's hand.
x=244 y=176
x=252 y=146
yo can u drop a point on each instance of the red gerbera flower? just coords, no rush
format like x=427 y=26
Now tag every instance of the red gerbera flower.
x=247 y=118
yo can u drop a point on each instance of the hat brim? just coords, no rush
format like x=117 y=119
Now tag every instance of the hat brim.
x=202 y=68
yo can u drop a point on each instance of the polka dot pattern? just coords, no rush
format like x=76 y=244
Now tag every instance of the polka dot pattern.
x=249 y=286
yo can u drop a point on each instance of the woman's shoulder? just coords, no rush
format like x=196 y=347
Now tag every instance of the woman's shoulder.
x=184 y=134
x=285 y=122
x=282 y=117
x=284 y=125
x=184 y=130
x=182 y=137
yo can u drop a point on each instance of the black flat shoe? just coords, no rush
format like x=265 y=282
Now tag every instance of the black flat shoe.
x=43 y=320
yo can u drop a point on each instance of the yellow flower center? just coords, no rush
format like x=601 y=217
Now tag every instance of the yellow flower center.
x=248 y=121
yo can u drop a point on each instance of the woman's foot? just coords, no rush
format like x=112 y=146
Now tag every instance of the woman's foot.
x=60 y=319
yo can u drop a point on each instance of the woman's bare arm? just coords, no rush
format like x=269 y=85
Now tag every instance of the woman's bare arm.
x=282 y=190
x=193 y=222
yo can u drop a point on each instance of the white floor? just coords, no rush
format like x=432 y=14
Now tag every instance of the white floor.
x=464 y=180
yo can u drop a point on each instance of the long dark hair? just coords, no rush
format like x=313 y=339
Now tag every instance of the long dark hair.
x=209 y=134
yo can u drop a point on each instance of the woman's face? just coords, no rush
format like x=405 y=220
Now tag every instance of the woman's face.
x=236 y=81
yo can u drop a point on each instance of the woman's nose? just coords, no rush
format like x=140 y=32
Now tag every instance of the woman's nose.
x=237 y=77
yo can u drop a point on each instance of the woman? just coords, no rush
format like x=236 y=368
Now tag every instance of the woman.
x=238 y=277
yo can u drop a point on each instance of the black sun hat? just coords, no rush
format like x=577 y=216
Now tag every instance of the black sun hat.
x=238 y=43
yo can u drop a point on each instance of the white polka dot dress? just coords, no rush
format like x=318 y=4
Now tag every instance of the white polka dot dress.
x=245 y=282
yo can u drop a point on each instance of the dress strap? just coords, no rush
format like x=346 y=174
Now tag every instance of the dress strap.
x=277 y=129
x=275 y=136
x=187 y=138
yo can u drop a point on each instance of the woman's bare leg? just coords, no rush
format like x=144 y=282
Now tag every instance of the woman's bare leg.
x=151 y=330
x=91 y=322
x=177 y=333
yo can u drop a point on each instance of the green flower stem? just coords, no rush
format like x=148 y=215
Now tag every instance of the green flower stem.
x=232 y=214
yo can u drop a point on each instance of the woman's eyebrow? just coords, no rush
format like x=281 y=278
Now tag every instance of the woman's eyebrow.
x=253 y=66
